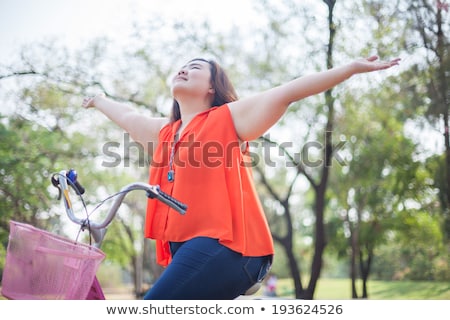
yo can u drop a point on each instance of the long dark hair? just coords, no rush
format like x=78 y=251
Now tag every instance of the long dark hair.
x=223 y=88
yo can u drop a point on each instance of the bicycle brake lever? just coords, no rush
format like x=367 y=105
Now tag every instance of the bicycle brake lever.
x=55 y=183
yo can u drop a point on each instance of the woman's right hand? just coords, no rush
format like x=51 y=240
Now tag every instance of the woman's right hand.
x=89 y=102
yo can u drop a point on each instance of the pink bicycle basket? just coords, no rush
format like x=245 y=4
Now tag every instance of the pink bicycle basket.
x=44 y=266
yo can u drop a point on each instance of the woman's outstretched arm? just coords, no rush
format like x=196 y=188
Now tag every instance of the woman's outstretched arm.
x=142 y=129
x=255 y=115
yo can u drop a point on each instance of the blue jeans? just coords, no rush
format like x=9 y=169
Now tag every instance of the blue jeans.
x=203 y=269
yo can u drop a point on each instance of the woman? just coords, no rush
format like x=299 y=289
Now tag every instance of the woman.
x=222 y=246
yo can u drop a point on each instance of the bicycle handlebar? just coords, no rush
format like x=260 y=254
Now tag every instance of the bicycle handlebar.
x=98 y=229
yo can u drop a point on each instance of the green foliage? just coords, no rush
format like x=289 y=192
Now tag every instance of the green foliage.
x=435 y=174
x=379 y=190
x=28 y=154
x=416 y=250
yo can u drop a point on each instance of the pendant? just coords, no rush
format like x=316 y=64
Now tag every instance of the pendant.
x=170 y=176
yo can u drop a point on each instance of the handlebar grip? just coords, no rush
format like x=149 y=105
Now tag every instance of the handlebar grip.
x=79 y=189
x=179 y=204
x=170 y=201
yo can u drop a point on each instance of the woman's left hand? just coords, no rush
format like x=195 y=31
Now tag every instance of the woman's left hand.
x=372 y=64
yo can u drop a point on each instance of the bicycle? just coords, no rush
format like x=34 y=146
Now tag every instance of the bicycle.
x=41 y=265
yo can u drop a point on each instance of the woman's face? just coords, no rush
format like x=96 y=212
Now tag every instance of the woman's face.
x=194 y=77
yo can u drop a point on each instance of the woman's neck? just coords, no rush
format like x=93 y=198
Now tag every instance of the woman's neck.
x=186 y=119
x=189 y=110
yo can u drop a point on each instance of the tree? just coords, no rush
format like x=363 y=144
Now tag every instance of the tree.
x=426 y=34
x=397 y=181
x=380 y=177
x=316 y=173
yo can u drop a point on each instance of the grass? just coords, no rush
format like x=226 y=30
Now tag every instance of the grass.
x=339 y=289
x=332 y=289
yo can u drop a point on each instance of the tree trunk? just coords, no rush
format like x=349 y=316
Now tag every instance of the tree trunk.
x=354 y=249
x=365 y=271
x=320 y=242
x=320 y=202
x=295 y=272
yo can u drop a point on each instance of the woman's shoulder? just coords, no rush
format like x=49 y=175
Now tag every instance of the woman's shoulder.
x=168 y=127
x=220 y=111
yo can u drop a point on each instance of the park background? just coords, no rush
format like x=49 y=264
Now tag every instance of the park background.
x=355 y=182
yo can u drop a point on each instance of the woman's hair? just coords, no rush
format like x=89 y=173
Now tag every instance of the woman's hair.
x=223 y=88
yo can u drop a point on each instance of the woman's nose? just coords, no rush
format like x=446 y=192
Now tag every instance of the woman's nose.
x=182 y=71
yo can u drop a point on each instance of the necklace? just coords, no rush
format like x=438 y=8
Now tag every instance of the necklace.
x=171 y=172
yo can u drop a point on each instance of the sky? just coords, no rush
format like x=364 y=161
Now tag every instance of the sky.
x=76 y=21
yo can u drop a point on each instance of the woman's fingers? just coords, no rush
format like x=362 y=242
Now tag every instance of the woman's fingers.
x=89 y=102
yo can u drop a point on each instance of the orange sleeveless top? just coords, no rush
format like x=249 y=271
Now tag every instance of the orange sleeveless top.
x=213 y=177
